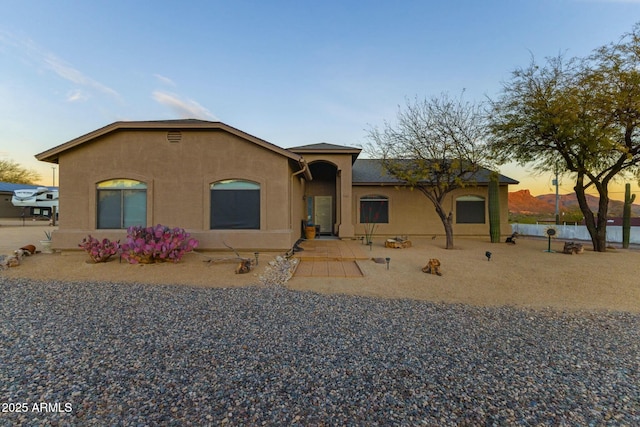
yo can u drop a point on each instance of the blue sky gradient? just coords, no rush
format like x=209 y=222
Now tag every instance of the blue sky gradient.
x=290 y=72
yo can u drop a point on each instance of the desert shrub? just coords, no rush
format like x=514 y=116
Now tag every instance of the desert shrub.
x=99 y=250
x=156 y=244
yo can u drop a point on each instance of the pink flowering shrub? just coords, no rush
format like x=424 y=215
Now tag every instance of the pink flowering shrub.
x=99 y=250
x=156 y=244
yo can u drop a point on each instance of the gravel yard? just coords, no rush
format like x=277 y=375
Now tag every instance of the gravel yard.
x=99 y=353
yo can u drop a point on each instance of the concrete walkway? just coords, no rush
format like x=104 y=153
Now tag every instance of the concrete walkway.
x=330 y=258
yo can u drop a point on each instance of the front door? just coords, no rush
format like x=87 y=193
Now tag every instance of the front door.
x=322 y=213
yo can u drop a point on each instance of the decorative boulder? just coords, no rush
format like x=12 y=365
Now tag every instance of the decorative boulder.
x=432 y=267
x=572 y=248
x=397 y=243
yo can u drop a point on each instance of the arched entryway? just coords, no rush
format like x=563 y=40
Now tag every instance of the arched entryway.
x=330 y=166
x=321 y=198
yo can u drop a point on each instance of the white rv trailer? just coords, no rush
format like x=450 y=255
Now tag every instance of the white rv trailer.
x=40 y=200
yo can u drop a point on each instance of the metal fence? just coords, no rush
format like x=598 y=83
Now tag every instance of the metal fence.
x=575 y=232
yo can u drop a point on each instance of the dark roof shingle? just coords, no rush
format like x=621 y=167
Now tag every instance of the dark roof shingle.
x=371 y=171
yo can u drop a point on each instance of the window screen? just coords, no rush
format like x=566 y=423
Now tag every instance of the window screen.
x=374 y=209
x=470 y=210
x=235 y=204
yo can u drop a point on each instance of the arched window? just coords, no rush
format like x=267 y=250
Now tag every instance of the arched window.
x=374 y=209
x=235 y=204
x=121 y=203
x=470 y=210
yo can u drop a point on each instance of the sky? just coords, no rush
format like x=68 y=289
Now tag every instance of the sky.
x=290 y=72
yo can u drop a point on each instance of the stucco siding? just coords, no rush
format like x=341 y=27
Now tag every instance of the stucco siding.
x=178 y=177
x=412 y=214
x=179 y=160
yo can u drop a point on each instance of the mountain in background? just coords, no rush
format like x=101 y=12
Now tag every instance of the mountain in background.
x=523 y=203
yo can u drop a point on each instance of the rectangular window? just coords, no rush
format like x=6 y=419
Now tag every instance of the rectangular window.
x=134 y=208
x=121 y=204
x=109 y=209
x=470 y=210
x=235 y=205
x=374 y=209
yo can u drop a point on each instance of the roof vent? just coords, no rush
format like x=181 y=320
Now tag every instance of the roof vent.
x=174 y=136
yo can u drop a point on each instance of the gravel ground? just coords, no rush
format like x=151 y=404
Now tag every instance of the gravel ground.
x=127 y=354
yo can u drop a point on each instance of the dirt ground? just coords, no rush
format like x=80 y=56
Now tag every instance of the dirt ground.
x=523 y=275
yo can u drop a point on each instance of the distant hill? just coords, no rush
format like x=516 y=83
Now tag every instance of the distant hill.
x=522 y=202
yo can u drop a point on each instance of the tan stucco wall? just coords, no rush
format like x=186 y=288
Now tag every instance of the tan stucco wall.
x=344 y=225
x=412 y=214
x=178 y=176
x=298 y=205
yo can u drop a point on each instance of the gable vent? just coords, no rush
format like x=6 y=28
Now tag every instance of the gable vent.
x=174 y=136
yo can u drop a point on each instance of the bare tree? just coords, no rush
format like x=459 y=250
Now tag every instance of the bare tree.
x=437 y=146
x=11 y=171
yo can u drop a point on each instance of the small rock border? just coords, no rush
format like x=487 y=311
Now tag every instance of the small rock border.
x=279 y=271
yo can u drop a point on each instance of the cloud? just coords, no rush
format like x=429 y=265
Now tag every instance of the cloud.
x=164 y=80
x=184 y=108
x=77 y=95
x=29 y=49
x=67 y=72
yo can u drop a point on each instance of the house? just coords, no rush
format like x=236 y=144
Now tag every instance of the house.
x=226 y=186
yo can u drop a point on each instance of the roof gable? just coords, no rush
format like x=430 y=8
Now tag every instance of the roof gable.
x=53 y=154
x=326 y=148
